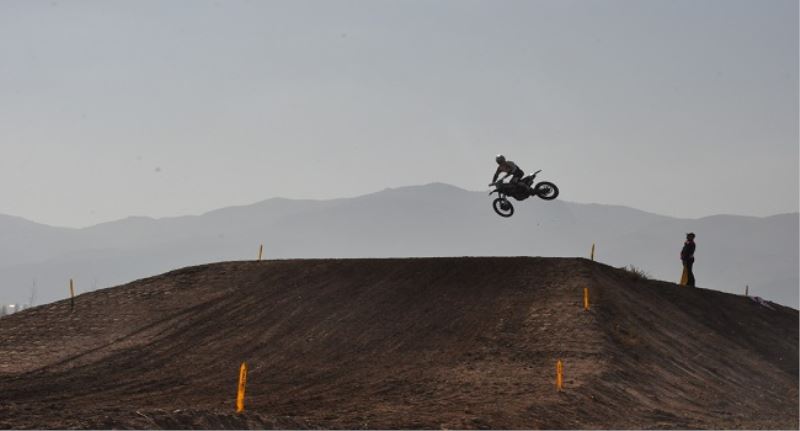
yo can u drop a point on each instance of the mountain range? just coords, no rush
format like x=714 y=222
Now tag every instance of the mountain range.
x=733 y=252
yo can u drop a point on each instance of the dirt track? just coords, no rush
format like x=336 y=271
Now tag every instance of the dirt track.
x=401 y=343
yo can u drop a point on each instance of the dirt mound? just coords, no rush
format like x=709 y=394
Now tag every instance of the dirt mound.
x=401 y=343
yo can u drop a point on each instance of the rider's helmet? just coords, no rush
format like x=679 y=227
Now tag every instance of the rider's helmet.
x=500 y=159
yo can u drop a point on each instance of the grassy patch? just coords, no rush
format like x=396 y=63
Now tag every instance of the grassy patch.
x=636 y=273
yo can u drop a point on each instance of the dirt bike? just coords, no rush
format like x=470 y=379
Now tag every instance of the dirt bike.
x=502 y=206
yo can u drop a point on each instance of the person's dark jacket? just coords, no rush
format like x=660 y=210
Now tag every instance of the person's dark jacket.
x=687 y=253
x=508 y=167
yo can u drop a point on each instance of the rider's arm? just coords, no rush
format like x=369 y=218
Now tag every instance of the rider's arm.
x=496 y=173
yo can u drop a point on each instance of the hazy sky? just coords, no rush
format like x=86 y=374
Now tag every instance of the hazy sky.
x=162 y=108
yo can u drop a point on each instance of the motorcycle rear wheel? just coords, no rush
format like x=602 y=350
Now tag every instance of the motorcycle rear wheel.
x=503 y=207
x=546 y=190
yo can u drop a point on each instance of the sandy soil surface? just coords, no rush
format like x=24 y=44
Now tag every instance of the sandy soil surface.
x=401 y=343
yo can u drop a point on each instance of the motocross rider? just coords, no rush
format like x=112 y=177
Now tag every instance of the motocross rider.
x=509 y=168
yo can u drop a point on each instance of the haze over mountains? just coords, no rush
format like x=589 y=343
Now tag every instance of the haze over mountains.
x=430 y=220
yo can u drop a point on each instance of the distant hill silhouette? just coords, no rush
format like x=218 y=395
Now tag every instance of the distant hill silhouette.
x=430 y=220
x=425 y=343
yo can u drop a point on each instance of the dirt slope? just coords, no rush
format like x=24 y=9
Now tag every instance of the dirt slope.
x=401 y=343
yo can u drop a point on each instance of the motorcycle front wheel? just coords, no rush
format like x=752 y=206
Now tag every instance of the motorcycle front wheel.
x=503 y=207
x=546 y=190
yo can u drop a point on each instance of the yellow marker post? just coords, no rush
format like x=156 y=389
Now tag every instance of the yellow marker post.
x=586 y=299
x=685 y=276
x=559 y=375
x=240 y=392
x=71 y=295
x=260 y=251
x=592 y=254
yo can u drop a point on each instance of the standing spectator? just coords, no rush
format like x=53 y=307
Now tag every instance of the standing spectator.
x=687 y=257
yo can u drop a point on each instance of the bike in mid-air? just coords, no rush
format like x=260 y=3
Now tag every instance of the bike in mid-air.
x=502 y=206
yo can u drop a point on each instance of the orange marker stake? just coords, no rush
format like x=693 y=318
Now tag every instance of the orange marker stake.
x=71 y=295
x=240 y=393
x=559 y=375
x=586 y=299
